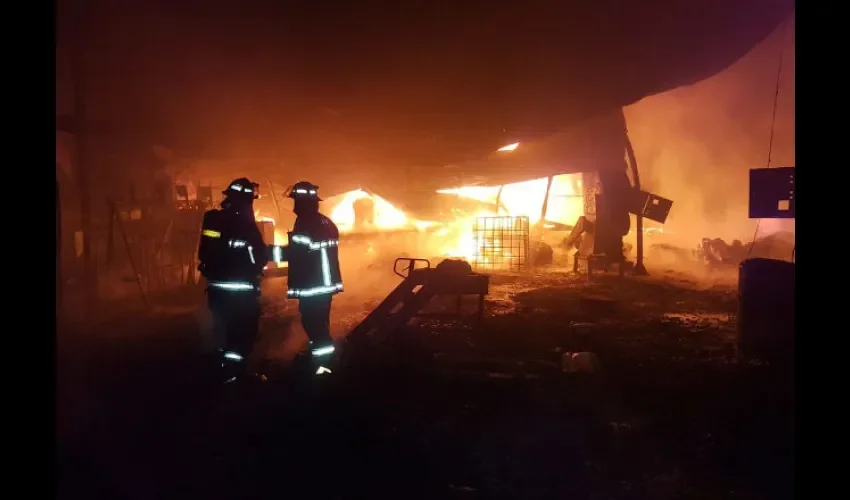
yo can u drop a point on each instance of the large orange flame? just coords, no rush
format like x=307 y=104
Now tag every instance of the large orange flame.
x=386 y=215
x=565 y=205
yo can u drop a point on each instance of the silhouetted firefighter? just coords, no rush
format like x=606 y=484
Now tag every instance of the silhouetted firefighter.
x=232 y=256
x=314 y=274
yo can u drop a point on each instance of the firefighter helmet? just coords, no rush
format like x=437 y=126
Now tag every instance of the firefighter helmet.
x=305 y=189
x=242 y=187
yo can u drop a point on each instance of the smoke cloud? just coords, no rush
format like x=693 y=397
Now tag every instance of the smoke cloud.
x=695 y=145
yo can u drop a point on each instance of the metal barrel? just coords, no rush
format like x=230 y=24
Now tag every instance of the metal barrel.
x=766 y=311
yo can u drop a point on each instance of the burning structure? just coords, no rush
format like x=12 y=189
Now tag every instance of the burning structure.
x=506 y=211
x=532 y=102
x=503 y=212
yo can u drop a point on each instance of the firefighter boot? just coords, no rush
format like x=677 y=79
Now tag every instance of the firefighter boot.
x=321 y=355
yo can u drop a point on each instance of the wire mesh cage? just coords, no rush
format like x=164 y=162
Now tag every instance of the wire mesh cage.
x=501 y=243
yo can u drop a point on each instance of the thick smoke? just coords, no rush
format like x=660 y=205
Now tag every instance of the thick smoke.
x=696 y=144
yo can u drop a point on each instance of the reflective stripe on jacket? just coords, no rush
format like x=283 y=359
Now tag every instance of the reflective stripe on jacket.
x=231 y=248
x=313 y=255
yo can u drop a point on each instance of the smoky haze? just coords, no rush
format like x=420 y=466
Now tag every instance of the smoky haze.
x=696 y=144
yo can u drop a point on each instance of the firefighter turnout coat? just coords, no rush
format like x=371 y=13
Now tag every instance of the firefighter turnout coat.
x=232 y=253
x=313 y=255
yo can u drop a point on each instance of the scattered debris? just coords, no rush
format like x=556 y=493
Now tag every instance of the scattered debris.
x=580 y=362
x=582 y=327
x=597 y=305
x=717 y=253
x=454 y=266
x=541 y=254
x=500 y=394
x=580 y=324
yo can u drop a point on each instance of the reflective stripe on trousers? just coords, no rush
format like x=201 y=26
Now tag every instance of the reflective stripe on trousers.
x=233 y=356
x=314 y=291
x=322 y=351
x=236 y=314
x=234 y=286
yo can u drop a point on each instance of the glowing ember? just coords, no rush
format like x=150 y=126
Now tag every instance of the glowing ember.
x=509 y=147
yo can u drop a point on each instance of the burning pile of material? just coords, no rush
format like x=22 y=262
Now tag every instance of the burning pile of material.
x=486 y=224
x=360 y=210
x=497 y=235
x=495 y=227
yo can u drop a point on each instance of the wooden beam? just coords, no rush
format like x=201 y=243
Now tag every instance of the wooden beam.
x=82 y=156
x=60 y=280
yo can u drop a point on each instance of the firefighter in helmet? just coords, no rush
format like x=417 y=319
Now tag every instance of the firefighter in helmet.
x=232 y=256
x=314 y=274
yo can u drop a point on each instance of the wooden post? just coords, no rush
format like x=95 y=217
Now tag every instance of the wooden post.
x=60 y=281
x=144 y=297
x=82 y=156
x=274 y=200
x=110 y=236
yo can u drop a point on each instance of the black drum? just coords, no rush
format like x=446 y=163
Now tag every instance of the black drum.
x=766 y=311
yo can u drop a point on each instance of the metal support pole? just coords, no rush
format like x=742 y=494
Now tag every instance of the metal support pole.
x=546 y=200
x=640 y=269
x=499 y=198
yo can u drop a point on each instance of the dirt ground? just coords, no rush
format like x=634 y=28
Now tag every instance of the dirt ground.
x=449 y=409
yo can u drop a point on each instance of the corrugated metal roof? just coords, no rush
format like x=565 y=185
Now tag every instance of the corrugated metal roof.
x=595 y=144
